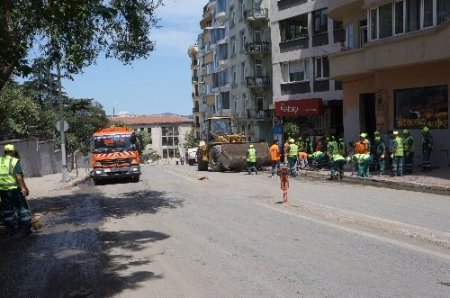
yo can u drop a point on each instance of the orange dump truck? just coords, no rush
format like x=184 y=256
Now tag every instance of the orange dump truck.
x=115 y=154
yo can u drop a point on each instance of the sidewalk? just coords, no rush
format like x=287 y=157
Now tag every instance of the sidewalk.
x=54 y=181
x=437 y=181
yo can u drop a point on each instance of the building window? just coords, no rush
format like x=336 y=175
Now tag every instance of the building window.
x=385 y=20
x=236 y=106
x=322 y=68
x=233 y=46
x=443 y=11
x=243 y=71
x=234 y=74
x=242 y=9
x=427 y=13
x=169 y=135
x=295 y=71
x=294 y=28
x=374 y=24
x=412 y=15
x=399 y=17
x=419 y=107
x=320 y=21
x=225 y=100
x=243 y=40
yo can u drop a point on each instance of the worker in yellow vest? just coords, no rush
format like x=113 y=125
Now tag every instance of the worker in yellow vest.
x=12 y=188
x=292 y=157
x=251 y=160
x=397 y=154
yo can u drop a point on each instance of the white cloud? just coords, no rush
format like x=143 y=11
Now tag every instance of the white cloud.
x=180 y=21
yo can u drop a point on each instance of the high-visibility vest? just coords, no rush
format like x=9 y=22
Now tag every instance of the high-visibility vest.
x=337 y=157
x=293 y=150
x=398 y=147
x=7 y=177
x=409 y=144
x=251 y=155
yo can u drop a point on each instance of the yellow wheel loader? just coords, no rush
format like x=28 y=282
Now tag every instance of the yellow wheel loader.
x=225 y=151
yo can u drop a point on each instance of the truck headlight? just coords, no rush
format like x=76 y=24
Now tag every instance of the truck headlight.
x=98 y=164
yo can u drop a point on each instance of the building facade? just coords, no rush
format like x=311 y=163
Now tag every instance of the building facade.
x=197 y=116
x=302 y=38
x=168 y=132
x=395 y=68
x=235 y=66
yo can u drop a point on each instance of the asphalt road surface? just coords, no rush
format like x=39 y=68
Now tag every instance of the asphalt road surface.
x=228 y=235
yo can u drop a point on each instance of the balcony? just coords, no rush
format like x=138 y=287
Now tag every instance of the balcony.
x=258 y=114
x=338 y=8
x=196 y=110
x=321 y=86
x=423 y=46
x=339 y=35
x=256 y=14
x=285 y=4
x=320 y=39
x=258 y=82
x=294 y=44
x=195 y=78
x=257 y=48
x=295 y=88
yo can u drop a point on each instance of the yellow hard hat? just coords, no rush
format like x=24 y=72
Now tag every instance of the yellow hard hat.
x=9 y=147
x=251 y=145
x=291 y=140
x=395 y=132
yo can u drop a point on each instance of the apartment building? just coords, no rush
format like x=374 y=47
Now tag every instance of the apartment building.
x=303 y=38
x=235 y=66
x=395 y=68
x=197 y=116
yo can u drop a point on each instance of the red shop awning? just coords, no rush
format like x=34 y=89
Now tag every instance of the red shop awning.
x=299 y=107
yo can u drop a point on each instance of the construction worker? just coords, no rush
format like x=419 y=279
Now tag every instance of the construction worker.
x=285 y=150
x=274 y=151
x=12 y=188
x=397 y=154
x=337 y=166
x=302 y=160
x=379 y=153
x=341 y=147
x=361 y=155
x=251 y=160
x=409 y=149
x=292 y=157
x=317 y=160
x=427 y=147
x=309 y=145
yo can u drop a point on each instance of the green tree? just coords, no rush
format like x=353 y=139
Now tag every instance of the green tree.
x=190 y=140
x=291 y=130
x=74 y=32
x=19 y=113
x=85 y=116
x=144 y=138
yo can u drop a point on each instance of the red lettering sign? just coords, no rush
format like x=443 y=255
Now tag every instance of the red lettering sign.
x=299 y=107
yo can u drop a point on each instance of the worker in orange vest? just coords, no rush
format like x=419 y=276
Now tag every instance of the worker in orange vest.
x=274 y=151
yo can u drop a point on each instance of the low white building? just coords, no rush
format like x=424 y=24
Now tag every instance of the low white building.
x=168 y=132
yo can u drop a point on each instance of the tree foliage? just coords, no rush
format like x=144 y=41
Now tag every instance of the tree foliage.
x=291 y=130
x=190 y=140
x=74 y=32
x=144 y=138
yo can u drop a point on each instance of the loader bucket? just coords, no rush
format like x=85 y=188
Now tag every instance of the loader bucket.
x=233 y=156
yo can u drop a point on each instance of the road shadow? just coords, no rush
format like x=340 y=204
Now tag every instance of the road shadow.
x=71 y=256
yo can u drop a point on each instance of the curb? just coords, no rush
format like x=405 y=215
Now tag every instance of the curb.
x=411 y=186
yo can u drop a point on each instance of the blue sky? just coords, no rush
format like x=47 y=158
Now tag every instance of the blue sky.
x=159 y=84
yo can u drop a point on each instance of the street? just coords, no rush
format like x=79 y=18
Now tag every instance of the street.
x=228 y=235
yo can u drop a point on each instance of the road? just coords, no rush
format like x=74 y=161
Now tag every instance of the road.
x=228 y=235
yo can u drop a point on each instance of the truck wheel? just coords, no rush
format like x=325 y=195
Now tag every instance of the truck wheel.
x=135 y=178
x=202 y=165
x=96 y=181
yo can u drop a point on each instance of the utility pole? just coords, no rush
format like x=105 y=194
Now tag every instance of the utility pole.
x=65 y=174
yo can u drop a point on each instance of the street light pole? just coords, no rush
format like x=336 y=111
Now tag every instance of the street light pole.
x=65 y=174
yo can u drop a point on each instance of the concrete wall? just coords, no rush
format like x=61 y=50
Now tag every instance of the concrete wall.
x=39 y=158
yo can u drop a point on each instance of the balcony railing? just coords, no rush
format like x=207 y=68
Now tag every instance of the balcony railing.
x=339 y=35
x=321 y=86
x=295 y=88
x=257 y=82
x=285 y=4
x=257 y=48
x=256 y=14
x=195 y=110
x=320 y=39
x=195 y=79
x=258 y=114
x=294 y=44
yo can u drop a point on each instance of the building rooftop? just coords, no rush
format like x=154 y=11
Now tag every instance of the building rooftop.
x=151 y=119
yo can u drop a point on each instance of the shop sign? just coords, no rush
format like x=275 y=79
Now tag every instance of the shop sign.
x=299 y=107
